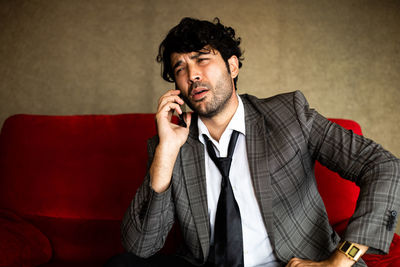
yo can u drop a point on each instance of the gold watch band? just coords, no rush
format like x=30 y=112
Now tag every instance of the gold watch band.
x=350 y=250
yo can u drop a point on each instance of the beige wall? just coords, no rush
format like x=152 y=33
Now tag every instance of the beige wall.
x=79 y=57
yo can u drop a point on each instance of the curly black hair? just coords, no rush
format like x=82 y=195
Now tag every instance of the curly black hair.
x=192 y=35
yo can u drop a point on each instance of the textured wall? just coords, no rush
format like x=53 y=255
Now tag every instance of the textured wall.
x=77 y=57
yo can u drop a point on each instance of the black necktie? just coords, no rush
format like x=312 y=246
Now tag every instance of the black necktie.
x=228 y=241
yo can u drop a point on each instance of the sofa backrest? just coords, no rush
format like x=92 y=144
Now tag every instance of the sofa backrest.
x=86 y=166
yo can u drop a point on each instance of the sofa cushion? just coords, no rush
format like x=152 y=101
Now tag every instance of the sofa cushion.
x=61 y=263
x=81 y=240
x=21 y=243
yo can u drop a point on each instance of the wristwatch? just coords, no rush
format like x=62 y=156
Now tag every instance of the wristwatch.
x=350 y=250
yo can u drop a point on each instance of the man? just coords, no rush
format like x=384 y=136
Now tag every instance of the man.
x=269 y=193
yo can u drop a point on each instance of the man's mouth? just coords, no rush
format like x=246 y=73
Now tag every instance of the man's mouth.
x=198 y=93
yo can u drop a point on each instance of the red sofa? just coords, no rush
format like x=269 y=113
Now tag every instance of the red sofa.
x=66 y=181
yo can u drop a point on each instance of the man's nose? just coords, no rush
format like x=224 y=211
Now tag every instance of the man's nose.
x=194 y=74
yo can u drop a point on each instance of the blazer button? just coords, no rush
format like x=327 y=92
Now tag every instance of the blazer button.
x=392 y=218
x=393 y=213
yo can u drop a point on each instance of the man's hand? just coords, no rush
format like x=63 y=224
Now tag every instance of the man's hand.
x=337 y=259
x=171 y=136
x=169 y=133
x=296 y=262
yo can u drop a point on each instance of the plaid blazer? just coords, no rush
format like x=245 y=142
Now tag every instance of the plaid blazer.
x=284 y=137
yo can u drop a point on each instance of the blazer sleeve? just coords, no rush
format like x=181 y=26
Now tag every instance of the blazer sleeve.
x=149 y=218
x=358 y=159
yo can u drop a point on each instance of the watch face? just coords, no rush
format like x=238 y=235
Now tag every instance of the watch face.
x=353 y=251
x=345 y=246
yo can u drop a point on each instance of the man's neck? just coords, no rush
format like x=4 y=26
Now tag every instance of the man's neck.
x=217 y=124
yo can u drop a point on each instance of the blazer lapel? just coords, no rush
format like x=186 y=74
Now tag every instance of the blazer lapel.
x=257 y=153
x=195 y=178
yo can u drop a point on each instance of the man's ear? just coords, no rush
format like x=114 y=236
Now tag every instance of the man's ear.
x=233 y=63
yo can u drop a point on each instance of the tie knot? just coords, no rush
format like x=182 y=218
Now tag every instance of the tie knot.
x=224 y=165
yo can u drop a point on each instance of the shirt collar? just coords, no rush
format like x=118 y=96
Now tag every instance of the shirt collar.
x=237 y=123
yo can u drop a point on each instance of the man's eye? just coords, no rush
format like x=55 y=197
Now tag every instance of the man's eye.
x=202 y=59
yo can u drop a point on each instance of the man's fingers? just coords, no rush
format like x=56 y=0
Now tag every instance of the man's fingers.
x=170 y=93
x=169 y=107
x=296 y=262
x=293 y=262
x=170 y=99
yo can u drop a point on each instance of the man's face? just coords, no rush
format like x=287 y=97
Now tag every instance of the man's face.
x=203 y=78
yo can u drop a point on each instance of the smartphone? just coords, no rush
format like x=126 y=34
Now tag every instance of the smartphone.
x=183 y=108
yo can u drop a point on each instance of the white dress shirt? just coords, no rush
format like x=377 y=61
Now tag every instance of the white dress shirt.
x=257 y=248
